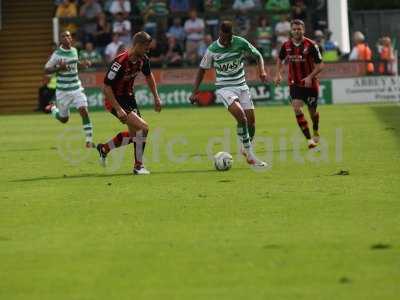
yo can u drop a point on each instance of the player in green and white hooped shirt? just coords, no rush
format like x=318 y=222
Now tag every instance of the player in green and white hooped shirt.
x=226 y=56
x=64 y=62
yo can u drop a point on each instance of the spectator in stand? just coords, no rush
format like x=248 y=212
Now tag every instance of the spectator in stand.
x=154 y=13
x=47 y=91
x=319 y=39
x=242 y=24
x=275 y=6
x=179 y=6
x=282 y=29
x=174 y=54
x=112 y=48
x=361 y=51
x=142 y=4
x=91 y=54
x=299 y=10
x=102 y=36
x=387 y=57
x=157 y=53
x=177 y=31
x=318 y=14
x=194 y=28
x=213 y=6
x=67 y=9
x=120 y=6
x=207 y=41
x=90 y=11
x=331 y=49
x=243 y=5
x=123 y=27
x=276 y=49
x=264 y=35
x=242 y=21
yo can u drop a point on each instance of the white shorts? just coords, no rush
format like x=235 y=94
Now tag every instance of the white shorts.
x=66 y=99
x=228 y=95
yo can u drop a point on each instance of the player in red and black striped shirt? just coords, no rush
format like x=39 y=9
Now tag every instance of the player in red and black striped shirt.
x=120 y=99
x=305 y=63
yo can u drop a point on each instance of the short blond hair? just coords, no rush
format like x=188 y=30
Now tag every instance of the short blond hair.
x=141 y=37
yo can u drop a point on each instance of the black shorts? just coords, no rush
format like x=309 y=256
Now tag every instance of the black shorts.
x=128 y=104
x=308 y=95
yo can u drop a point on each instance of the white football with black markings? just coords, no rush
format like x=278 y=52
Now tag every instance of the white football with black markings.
x=223 y=161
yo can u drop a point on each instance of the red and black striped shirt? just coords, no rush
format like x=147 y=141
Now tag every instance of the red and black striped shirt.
x=123 y=71
x=301 y=59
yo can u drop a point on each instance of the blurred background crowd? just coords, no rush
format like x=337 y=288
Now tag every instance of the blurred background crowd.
x=183 y=29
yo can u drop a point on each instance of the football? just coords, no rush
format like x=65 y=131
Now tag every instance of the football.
x=223 y=161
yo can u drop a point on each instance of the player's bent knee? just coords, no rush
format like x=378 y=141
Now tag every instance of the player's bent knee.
x=298 y=112
x=83 y=111
x=297 y=109
x=145 y=127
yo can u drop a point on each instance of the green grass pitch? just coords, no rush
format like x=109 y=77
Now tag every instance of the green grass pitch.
x=71 y=230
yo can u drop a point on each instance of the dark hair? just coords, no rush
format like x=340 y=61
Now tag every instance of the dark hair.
x=226 y=27
x=297 y=22
x=141 y=37
x=261 y=18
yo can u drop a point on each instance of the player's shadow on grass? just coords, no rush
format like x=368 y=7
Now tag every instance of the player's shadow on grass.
x=235 y=153
x=67 y=177
x=27 y=149
x=108 y=175
x=390 y=116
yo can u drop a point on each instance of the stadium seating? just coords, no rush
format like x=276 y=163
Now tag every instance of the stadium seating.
x=25 y=44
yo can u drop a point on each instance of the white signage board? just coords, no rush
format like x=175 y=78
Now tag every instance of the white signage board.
x=366 y=89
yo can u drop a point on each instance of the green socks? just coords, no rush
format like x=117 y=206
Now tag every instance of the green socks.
x=243 y=134
x=88 y=129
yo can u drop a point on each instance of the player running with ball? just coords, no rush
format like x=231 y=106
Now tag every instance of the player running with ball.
x=305 y=63
x=120 y=99
x=226 y=55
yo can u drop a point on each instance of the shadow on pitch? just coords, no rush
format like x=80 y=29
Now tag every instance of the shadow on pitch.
x=110 y=175
x=27 y=149
x=390 y=116
x=235 y=153
x=67 y=177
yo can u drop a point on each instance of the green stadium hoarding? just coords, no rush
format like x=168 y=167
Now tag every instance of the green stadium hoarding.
x=178 y=95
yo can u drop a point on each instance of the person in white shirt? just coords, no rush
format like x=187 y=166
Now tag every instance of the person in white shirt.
x=243 y=5
x=194 y=28
x=112 y=48
x=120 y=6
x=123 y=27
x=282 y=30
x=204 y=44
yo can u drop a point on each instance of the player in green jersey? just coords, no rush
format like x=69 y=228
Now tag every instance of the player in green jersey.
x=64 y=62
x=226 y=56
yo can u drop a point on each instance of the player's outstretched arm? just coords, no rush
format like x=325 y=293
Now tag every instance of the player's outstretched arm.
x=151 y=82
x=253 y=51
x=261 y=68
x=278 y=74
x=197 y=82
